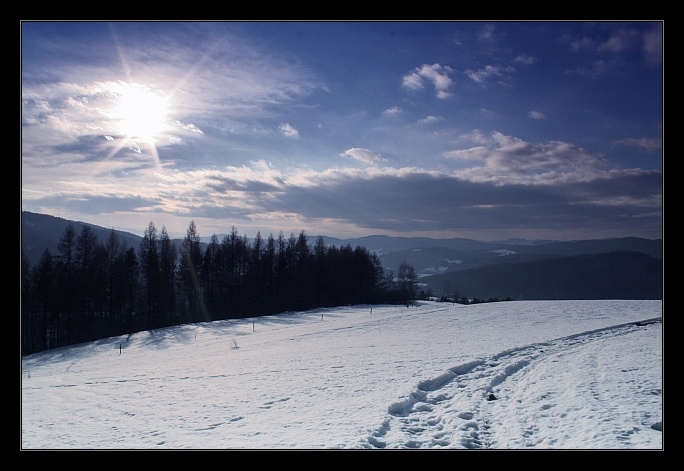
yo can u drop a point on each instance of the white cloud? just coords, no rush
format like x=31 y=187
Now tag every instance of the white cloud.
x=288 y=130
x=488 y=72
x=473 y=153
x=536 y=115
x=653 y=46
x=624 y=40
x=476 y=136
x=413 y=81
x=362 y=155
x=598 y=68
x=391 y=112
x=430 y=120
x=620 y=40
x=644 y=143
x=580 y=44
x=525 y=59
x=437 y=74
x=486 y=34
x=511 y=160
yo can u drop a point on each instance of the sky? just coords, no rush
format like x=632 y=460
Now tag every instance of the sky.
x=509 y=375
x=482 y=130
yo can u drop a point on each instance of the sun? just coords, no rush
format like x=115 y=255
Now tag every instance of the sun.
x=140 y=113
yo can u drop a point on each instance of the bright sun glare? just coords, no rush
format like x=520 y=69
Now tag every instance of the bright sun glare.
x=140 y=112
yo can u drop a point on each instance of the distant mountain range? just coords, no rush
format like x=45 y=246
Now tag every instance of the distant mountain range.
x=620 y=268
x=612 y=275
x=439 y=256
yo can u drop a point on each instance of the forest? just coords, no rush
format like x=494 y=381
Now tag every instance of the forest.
x=94 y=289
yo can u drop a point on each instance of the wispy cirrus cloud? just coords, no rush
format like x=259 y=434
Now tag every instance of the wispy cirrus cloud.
x=645 y=144
x=488 y=73
x=363 y=155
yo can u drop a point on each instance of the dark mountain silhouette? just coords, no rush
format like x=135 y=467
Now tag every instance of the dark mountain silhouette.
x=613 y=275
x=438 y=256
x=42 y=231
x=620 y=268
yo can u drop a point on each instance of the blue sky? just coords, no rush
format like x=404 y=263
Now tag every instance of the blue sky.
x=483 y=130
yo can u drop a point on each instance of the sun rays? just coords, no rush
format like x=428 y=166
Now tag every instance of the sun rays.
x=140 y=113
x=139 y=116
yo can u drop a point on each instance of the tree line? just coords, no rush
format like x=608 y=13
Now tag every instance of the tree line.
x=93 y=289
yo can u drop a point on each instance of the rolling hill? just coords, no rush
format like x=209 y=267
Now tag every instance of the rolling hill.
x=613 y=275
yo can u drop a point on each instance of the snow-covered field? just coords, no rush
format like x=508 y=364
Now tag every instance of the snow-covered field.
x=507 y=375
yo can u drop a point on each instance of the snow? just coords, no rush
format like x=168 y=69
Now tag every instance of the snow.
x=506 y=375
x=504 y=252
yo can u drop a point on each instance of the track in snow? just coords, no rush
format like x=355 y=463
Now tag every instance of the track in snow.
x=454 y=410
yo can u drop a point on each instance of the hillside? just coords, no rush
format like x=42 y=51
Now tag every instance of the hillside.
x=41 y=231
x=614 y=275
